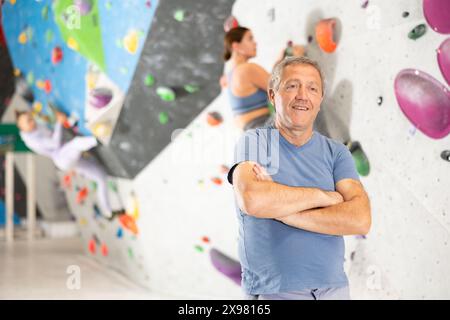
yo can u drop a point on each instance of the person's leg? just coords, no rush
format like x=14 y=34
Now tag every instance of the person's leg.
x=69 y=154
x=91 y=170
x=341 y=293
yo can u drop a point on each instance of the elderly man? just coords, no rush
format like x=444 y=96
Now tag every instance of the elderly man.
x=297 y=194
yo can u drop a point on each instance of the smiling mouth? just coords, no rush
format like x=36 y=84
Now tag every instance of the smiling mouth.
x=300 y=108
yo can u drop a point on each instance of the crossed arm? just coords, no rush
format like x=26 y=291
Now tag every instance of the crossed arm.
x=345 y=212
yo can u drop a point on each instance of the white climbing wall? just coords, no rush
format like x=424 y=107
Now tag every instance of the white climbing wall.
x=406 y=254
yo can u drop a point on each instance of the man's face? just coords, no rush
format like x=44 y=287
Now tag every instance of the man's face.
x=298 y=98
x=26 y=122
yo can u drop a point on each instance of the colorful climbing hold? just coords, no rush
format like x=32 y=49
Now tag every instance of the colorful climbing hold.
x=112 y=186
x=30 y=78
x=216 y=180
x=84 y=6
x=179 y=15
x=205 y=239
x=44 y=12
x=82 y=195
x=47 y=86
x=131 y=41
x=102 y=130
x=226 y=265
x=214 y=118
x=437 y=14
x=364 y=4
x=128 y=223
x=445 y=155
x=405 y=14
x=130 y=253
x=23 y=38
x=163 y=117
x=191 y=88
x=108 y=5
x=325 y=35
x=100 y=97
x=166 y=93
x=104 y=249
x=417 y=32
x=49 y=36
x=360 y=158
x=57 y=55
x=92 y=246
x=424 y=101
x=67 y=181
x=73 y=44
x=149 y=80
x=198 y=248
x=443 y=56
x=119 y=233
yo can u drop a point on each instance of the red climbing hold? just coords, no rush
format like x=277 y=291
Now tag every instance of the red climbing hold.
x=67 y=181
x=92 y=246
x=104 y=250
x=57 y=55
x=230 y=23
x=205 y=239
x=81 y=195
x=47 y=86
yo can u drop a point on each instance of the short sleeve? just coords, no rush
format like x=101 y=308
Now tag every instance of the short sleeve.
x=344 y=165
x=243 y=151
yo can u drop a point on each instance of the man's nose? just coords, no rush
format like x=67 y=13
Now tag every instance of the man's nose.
x=301 y=93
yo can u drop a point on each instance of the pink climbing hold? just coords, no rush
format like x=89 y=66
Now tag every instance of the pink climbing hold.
x=424 y=101
x=443 y=54
x=437 y=14
x=84 y=6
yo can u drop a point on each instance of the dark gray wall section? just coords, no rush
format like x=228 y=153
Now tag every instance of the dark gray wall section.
x=176 y=54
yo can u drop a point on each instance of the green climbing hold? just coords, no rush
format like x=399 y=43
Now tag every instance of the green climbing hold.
x=163 y=117
x=360 y=158
x=417 y=32
x=198 y=248
x=191 y=88
x=166 y=93
x=179 y=15
x=44 y=12
x=49 y=36
x=149 y=80
x=271 y=107
x=130 y=253
x=30 y=78
x=93 y=185
x=112 y=185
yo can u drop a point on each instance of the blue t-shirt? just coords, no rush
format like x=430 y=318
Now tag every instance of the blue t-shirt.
x=276 y=257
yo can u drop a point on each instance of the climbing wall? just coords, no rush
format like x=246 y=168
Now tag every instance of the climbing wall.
x=174 y=136
x=399 y=118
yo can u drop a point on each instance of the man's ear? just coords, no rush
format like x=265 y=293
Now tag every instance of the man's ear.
x=271 y=95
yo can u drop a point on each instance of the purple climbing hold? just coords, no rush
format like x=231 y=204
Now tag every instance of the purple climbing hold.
x=437 y=14
x=85 y=6
x=424 y=101
x=364 y=4
x=443 y=54
x=100 y=97
x=226 y=265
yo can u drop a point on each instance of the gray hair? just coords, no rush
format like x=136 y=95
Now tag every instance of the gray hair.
x=277 y=72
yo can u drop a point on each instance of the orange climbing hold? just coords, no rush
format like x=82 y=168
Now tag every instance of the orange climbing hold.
x=81 y=195
x=47 y=86
x=128 y=223
x=214 y=118
x=104 y=250
x=217 y=181
x=325 y=35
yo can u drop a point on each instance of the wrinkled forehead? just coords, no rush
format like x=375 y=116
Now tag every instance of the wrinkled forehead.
x=302 y=73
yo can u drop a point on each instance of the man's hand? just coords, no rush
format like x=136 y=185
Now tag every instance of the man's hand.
x=60 y=117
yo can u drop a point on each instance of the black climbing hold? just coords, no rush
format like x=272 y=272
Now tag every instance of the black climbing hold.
x=405 y=14
x=380 y=100
x=445 y=155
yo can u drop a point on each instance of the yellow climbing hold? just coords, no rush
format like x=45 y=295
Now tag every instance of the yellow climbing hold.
x=130 y=41
x=83 y=221
x=72 y=44
x=40 y=84
x=91 y=80
x=102 y=130
x=17 y=72
x=37 y=107
x=23 y=37
x=13 y=2
x=133 y=207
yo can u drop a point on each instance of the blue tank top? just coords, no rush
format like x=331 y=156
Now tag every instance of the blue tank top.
x=241 y=105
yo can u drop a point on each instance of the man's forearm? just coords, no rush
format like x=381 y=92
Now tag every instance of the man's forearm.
x=267 y=199
x=347 y=218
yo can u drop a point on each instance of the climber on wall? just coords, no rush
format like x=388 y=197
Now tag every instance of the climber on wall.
x=66 y=156
x=247 y=82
